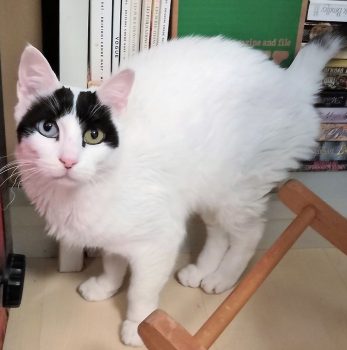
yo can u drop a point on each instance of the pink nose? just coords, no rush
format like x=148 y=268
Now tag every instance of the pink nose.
x=67 y=162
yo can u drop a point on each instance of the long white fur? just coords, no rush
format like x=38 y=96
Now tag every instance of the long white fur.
x=210 y=127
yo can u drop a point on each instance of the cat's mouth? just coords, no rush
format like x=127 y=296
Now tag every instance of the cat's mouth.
x=67 y=176
x=65 y=181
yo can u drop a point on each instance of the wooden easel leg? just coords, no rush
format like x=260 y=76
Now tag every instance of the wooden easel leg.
x=328 y=222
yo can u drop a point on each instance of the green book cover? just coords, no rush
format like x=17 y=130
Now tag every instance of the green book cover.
x=274 y=26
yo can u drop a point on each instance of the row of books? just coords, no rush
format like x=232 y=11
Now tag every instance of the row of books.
x=85 y=40
x=119 y=29
x=331 y=152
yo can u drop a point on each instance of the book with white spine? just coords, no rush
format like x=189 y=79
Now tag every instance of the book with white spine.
x=164 y=20
x=125 y=31
x=327 y=10
x=145 y=24
x=116 y=18
x=155 y=23
x=73 y=42
x=100 y=39
x=135 y=19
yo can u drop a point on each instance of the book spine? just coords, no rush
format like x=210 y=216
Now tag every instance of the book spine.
x=330 y=70
x=50 y=33
x=135 y=19
x=324 y=166
x=313 y=29
x=333 y=11
x=100 y=39
x=332 y=99
x=335 y=82
x=125 y=31
x=331 y=150
x=116 y=34
x=73 y=42
x=332 y=115
x=333 y=132
x=164 y=20
x=145 y=24
x=155 y=23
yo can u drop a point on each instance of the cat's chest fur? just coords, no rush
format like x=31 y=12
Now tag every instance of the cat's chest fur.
x=82 y=217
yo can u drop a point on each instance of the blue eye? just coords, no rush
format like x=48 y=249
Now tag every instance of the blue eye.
x=48 y=128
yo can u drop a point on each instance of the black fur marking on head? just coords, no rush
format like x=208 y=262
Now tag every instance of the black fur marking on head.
x=93 y=115
x=49 y=108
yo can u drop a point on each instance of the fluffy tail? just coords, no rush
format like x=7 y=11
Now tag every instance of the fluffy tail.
x=307 y=67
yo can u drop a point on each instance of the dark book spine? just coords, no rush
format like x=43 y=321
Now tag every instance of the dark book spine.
x=332 y=99
x=50 y=32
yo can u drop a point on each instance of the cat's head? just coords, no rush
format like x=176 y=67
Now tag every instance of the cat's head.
x=66 y=135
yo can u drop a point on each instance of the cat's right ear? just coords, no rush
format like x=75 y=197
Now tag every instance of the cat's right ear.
x=115 y=91
x=35 y=76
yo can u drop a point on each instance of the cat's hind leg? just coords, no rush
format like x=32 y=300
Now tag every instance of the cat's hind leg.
x=107 y=284
x=244 y=238
x=217 y=243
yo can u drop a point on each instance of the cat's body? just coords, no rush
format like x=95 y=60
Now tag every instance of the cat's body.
x=206 y=126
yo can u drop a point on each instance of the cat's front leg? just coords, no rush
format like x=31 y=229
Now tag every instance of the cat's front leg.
x=150 y=270
x=107 y=284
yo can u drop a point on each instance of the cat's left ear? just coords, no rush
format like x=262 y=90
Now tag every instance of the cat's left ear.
x=115 y=91
x=35 y=76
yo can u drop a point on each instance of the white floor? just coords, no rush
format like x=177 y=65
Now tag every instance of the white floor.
x=301 y=306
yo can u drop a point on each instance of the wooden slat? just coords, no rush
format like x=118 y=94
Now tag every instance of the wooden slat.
x=328 y=222
x=160 y=332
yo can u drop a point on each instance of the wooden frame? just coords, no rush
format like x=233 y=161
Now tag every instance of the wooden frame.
x=160 y=332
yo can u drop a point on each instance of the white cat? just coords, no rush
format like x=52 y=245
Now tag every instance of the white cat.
x=195 y=125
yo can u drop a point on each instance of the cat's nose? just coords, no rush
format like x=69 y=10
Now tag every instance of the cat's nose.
x=68 y=162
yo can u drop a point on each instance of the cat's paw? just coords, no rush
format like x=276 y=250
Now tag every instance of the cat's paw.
x=190 y=276
x=129 y=334
x=92 y=290
x=216 y=283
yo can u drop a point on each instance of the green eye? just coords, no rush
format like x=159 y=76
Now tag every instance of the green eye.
x=93 y=136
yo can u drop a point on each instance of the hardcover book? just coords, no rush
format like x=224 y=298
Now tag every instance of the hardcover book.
x=333 y=132
x=333 y=115
x=329 y=156
x=318 y=165
x=336 y=67
x=332 y=99
x=272 y=26
x=335 y=82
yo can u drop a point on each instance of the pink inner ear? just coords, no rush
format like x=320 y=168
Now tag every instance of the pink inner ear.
x=115 y=91
x=35 y=75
